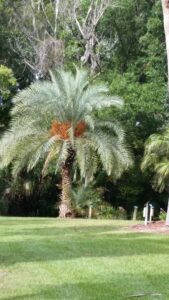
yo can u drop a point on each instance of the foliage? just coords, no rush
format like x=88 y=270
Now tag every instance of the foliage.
x=4 y=207
x=29 y=139
x=153 y=59
x=140 y=215
x=103 y=211
x=145 y=111
x=162 y=215
x=8 y=86
x=28 y=195
x=106 y=211
x=131 y=48
x=7 y=82
x=123 y=28
x=84 y=197
x=156 y=159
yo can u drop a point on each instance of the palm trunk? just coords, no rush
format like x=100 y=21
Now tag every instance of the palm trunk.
x=65 y=203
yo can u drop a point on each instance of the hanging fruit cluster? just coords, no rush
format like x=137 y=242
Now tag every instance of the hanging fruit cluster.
x=80 y=129
x=62 y=129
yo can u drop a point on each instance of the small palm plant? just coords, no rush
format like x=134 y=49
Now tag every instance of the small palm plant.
x=54 y=122
x=156 y=159
x=84 y=197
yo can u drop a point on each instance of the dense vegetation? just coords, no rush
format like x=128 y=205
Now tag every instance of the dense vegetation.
x=128 y=54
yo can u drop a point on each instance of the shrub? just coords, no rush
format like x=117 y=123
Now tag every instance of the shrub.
x=83 y=197
x=105 y=211
x=3 y=206
x=7 y=82
x=162 y=215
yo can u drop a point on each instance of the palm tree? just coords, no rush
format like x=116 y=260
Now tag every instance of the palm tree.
x=84 y=197
x=54 y=123
x=156 y=159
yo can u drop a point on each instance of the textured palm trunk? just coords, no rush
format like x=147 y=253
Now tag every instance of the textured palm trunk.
x=65 y=209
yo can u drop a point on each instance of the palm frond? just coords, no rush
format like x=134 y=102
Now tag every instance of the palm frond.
x=156 y=159
x=66 y=99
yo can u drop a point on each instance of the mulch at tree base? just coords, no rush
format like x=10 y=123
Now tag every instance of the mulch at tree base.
x=156 y=227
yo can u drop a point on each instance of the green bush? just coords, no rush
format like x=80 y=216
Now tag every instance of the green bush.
x=83 y=197
x=162 y=215
x=140 y=215
x=3 y=206
x=7 y=82
x=105 y=211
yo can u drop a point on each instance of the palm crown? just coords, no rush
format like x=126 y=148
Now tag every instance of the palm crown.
x=156 y=158
x=54 y=121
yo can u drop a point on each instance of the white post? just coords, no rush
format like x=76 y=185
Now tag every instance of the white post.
x=135 y=213
x=167 y=218
x=151 y=212
x=145 y=214
x=90 y=211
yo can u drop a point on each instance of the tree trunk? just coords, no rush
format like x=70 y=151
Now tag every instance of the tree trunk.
x=90 y=56
x=167 y=218
x=65 y=203
x=165 y=6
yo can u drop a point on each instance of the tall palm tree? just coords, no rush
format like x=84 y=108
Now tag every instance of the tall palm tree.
x=156 y=159
x=54 y=122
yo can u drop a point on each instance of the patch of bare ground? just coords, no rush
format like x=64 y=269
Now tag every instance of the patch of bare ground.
x=156 y=227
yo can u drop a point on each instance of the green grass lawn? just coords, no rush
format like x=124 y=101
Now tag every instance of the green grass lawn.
x=80 y=260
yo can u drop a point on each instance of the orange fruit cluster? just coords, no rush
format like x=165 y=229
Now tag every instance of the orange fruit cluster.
x=61 y=129
x=80 y=129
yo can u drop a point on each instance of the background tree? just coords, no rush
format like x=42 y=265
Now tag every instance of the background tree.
x=87 y=28
x=7 y=83
x=8 y=87
x=156 y=153
x=36 y=39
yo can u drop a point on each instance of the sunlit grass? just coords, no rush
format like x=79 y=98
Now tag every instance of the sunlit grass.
x=80 y=260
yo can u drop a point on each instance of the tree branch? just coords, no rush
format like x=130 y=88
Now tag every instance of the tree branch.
x=57 y=3
x=78 y=25
x=47 y=19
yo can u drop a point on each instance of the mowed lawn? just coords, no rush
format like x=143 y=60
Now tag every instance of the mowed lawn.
x=80 y=260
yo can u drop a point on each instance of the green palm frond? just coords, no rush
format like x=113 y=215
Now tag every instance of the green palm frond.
x=62 y=156
x=87 y=159
x=156 y=159
x=67 y=98
x=161 y=178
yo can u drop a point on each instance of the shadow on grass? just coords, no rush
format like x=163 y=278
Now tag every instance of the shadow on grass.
x=55 y=231
x=49 y=244
x=117 y=290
